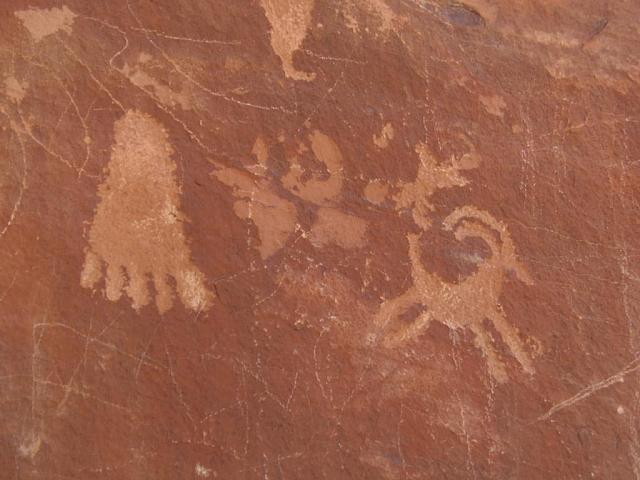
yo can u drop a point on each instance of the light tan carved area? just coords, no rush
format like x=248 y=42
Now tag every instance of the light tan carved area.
x=474 y=299
x=331 y=225
x=385 y=19
x=376 y=192
x=432 y=176
x=137 y=232
x=385 y=136
x=385 y=14
x=334 y=226
x=41 y=22
x=289 y=20
x=317 y=190
x=273 y=216
x=468 y=303
x=139 y=74
x=14 y=89
x=493 y=104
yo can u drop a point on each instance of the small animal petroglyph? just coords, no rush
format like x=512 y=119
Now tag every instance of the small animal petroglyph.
x=42 y=22
x=273 y=216
x=317 y=190
x=137 y=231
x=466 y=304
x=331 y=225
x=290 y=20
x=432 y=177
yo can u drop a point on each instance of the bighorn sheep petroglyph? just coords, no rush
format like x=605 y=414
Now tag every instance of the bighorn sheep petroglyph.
x=465 y=304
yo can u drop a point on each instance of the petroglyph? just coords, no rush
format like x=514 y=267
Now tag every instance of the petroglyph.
x=331 y=225
x=290 y=20
x=42 y=22
x=432 y=177
x=334 y=226
x=273 y=216
x=384 y=16
x=466 y=304
x=386 y=135
x=317 y=190
x=376 y=192
x=493 y=104
x=384 y=13
x=14 y=89
x=137 y=231
x=162 y=93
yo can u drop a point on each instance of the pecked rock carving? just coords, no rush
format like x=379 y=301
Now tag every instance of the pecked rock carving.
x=331 y=225
x=137 y=231
x=317 y=190
x=273 y=216
x=468 y=303
x=432 y=177
x=42 y=22
x=290 y=20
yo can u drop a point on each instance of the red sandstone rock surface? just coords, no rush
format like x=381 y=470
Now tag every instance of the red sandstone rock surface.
x=299 y=239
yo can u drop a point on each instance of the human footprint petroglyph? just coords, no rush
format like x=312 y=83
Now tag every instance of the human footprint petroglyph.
x=137 y=232
x=466 y=304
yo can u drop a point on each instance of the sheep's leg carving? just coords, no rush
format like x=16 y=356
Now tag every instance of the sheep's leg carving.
x=411 y=331
x=510 y=337
x=395 y=307
x=482 y=340
x=468 y=303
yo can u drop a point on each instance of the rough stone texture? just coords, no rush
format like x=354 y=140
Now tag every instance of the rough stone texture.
x=299 y=239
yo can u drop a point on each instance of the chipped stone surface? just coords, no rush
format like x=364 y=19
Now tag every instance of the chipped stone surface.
x=291 y=239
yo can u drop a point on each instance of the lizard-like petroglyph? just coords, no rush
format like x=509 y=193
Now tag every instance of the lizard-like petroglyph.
x=290 y=20
x=465 y=304
x=137 y=231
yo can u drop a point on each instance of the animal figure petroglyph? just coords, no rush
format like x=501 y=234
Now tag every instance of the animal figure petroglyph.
x=137 y=230
x=466 y=304
x=290 y=20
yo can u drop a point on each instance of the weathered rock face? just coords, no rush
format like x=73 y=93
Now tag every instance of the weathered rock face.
x=296 y=239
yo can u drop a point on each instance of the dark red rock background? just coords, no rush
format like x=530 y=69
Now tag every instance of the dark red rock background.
x=281 y=135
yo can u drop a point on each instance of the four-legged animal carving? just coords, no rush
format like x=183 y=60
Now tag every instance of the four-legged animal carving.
x=466 y=304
